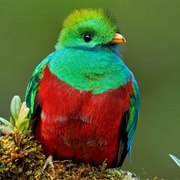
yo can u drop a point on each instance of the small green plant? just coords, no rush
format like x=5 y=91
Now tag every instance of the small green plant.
x=175 y=159
x=19 y=120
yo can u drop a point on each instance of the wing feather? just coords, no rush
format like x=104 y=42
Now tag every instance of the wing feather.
x=133 y=113
x=33 y=86
x=128 y=125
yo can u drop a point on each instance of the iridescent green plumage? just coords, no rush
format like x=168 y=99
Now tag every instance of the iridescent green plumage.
x=73 y=28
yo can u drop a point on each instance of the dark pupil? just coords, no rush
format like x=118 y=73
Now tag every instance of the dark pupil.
x=87 y=37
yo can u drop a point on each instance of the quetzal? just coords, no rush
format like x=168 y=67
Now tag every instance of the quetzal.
x=84 y=99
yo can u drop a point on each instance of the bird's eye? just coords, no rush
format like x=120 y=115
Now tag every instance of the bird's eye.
x=87 y=37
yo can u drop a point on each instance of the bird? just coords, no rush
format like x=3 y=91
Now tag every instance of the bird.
x=82 y=97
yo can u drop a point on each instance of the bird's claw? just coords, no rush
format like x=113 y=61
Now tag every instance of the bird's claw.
x=49 y=160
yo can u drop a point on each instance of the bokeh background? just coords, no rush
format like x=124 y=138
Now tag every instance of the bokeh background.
x=29 y=31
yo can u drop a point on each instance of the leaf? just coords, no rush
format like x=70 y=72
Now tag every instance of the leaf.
x=23 y=115
x=12 y=122
x=23 y=107
x=24 y=125
x=176 y=160
x=6 y=122
x=15 y=106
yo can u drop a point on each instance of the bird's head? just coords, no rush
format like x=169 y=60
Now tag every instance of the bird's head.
x=88 y=28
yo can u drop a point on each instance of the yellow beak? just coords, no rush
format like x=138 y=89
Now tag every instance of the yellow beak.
x=118 y=39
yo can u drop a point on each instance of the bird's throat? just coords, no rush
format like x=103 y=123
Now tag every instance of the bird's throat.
x=96 y=71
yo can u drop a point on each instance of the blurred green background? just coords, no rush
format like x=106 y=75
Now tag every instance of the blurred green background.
x=29 y=31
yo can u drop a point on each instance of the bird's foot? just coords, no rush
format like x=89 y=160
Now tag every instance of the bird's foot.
x=49 y=160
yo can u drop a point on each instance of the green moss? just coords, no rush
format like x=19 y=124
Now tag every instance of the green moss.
x=21 y=158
